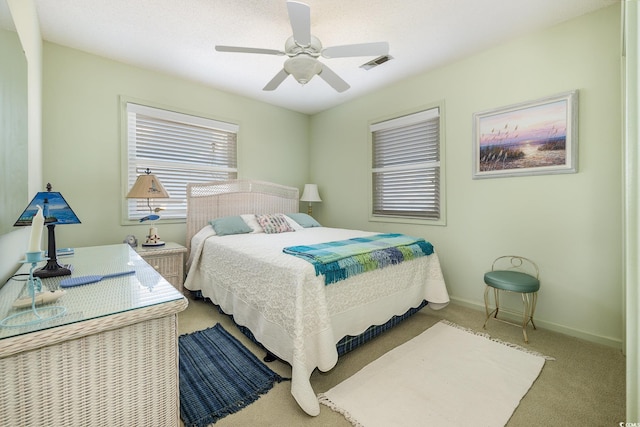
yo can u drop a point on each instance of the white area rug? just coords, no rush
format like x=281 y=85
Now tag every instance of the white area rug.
x=446 y=376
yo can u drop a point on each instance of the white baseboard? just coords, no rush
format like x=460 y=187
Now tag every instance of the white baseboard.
x=541 y=323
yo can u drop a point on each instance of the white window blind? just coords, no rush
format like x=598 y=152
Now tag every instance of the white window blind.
x=406 y=166
x=177 y=148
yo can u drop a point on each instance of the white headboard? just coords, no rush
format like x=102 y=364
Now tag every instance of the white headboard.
x=210 y=200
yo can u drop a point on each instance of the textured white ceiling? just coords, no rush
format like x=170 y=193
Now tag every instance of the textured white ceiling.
x=178 y=37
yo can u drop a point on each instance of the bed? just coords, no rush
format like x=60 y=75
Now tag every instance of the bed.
x=278 y=297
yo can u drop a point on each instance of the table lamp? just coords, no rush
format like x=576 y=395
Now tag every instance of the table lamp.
x=148 y=186
x=310 y=194
x=55 y=210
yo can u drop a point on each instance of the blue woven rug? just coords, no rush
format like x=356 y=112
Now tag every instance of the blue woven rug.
x=218 y=376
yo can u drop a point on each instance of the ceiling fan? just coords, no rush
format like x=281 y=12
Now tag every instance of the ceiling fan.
x=303 y=50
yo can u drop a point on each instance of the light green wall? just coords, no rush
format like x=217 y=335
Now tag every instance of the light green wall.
x=569 y=224
x=14 y=244
x=82 y=137
x=13 y=130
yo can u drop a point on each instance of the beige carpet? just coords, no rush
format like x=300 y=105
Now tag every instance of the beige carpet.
x=584 y=386
x=445 y=376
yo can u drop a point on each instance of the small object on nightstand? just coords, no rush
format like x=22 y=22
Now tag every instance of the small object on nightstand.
x=131 y=240
x=153 y=239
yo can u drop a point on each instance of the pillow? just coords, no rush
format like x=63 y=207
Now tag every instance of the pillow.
x=252 y=222
x=274 y=223
x=230 y=225
x=304 y=220
x=293 y=224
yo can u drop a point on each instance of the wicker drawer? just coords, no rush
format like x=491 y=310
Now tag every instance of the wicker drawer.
x=167 y=265
x=168 y=260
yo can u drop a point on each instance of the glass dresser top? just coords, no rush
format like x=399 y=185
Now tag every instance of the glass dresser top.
x=110 y=296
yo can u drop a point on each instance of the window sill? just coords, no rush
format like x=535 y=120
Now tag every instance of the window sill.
x=403 y=220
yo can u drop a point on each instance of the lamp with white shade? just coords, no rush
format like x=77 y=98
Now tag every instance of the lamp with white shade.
x=148 y=186
x=310 y=194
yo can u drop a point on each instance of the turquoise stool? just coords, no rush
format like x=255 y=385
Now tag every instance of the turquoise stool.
x=513 y=273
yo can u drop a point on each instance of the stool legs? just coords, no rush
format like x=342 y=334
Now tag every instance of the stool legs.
x=496 y=297
x=528 y=300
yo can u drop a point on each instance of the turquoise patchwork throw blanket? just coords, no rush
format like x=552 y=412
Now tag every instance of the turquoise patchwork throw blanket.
x=345 y=258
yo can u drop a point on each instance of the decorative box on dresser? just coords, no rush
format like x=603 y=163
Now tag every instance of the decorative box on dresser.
x=110 y=360
x=168 y=260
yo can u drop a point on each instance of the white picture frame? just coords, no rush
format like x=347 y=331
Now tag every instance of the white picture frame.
x=530 y=138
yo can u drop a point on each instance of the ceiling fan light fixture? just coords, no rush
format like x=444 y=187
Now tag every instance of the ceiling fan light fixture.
x=302 y=68
x=304 y=49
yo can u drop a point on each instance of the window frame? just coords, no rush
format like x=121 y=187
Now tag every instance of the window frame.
x=399 y=118
x=169 y=113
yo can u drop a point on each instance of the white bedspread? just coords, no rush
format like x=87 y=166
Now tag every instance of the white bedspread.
x=290 y=310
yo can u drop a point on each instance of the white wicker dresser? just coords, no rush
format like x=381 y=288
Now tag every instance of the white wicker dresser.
x=110 y=360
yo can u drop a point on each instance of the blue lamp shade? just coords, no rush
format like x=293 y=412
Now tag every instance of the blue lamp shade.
x=56 y=211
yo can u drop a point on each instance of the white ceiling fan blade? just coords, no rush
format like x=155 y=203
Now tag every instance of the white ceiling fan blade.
x=249 y=50
x=334 y=80
x=300 y=17
x=362 y=49
x=276 y=80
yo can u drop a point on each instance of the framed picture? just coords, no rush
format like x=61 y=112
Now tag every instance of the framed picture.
x=531 y=138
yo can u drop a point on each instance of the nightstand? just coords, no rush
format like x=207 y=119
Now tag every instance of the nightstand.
x=168 y=260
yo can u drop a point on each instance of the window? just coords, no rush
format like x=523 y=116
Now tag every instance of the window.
x=406 y=166
x=177 y=148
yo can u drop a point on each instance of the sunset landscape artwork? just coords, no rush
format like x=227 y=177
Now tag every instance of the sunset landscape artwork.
x=525 y=139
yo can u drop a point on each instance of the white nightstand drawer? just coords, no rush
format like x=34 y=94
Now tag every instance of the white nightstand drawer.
x=168 y=260
x=165 y=265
